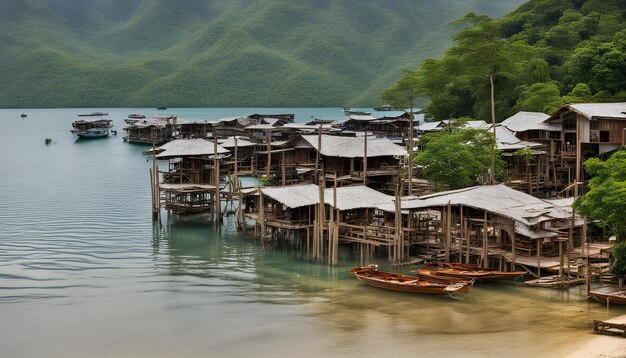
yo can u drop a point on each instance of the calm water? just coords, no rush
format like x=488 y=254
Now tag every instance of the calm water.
x=85 y=272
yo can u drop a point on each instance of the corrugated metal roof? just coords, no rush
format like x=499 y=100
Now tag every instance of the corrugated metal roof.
x=499 y=199
x=353 y=147
x=430 y=126
x=230 y=142
x=348 y=197
x=294 y=196
x=524 y=121
x=600 y=110
x=356 y=197
x=477 y=125
x=506 y=140
x=188 y=147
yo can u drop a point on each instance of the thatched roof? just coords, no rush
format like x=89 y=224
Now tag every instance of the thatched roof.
x=189 y=147
x=352 y=147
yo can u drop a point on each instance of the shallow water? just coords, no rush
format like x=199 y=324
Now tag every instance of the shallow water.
x=85 y=272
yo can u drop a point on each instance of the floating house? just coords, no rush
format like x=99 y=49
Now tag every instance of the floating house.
x=157 y=130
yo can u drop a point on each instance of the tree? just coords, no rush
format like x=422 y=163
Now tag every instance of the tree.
x=540 y=97
x=485 y=52
x=606 y=199
x=457 y=158
x=403 y=95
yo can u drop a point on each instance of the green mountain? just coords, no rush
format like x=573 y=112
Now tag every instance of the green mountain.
x=544 y=54
x=88 y=53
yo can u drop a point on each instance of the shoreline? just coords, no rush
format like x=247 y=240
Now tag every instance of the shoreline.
x=600 y=346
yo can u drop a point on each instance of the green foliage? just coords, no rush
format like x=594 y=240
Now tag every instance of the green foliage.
x=606 y=199
x=525 y=153
x=66 y=53
x=618 y=263
x=542 y=55
x=457 y=158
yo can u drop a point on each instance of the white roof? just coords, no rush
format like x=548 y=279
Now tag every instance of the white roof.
x=356 y=197
x=506 y=140
x=524 y=121
x=600 y=110
x=294 y=196
x=348 y=197
x=477 y=125
x=353 y=147
x=361 y=117
x=230 y=142
x=189 y=147
x=499 y=199
x=430 y=126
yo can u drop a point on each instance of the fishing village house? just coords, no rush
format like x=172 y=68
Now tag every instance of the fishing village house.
x=541 y=170
x=587 y=130
x=191 y=182
x=157 y=130
x=343 y=159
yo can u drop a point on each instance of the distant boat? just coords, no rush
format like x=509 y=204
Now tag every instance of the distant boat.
x=134 y=118
x=23 y=115
x=92 y=129
x=384 y=108
x=93 y=114
x=161 y=107
x=347 y=111
x=396 y=282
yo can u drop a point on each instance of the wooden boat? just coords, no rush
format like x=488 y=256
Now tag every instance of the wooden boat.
x=396 y=282
x=23 y=115
x=468 y=271
x=615 y=297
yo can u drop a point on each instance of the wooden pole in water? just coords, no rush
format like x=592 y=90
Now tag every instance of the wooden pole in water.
x=335 y=246
x=236 y=174
x=410 y=152
x=485 y=241
x=261 y=214
x=216 y=167
x=570 y=240
x=448 y=230
x=588 y=275
x=538 y=258
x=154 y=179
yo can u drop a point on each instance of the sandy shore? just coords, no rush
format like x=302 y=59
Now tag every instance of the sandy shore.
x=601 y=346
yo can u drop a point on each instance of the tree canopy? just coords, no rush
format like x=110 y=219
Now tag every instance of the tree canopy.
x=457 y=157
x=545 y=54
x=606 y=199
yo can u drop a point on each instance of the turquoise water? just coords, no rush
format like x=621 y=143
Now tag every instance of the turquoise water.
x=85 y=272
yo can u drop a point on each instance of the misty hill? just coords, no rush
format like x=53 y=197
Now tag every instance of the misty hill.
x=88 y=53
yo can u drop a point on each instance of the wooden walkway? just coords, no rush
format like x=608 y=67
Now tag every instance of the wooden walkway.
x=613 y=327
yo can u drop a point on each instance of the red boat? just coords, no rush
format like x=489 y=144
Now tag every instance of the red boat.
x=396 y=282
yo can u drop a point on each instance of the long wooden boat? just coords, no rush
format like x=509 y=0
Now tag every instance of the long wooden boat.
x=468 y=271
x=616 y=297
x=396 y=282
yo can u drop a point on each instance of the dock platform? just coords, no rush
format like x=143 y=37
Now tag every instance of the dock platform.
x=613 y=327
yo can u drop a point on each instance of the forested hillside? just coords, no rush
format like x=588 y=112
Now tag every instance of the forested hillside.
x=60 y=53
x=542 y=55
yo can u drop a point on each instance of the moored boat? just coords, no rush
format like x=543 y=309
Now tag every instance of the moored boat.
x=614 y=297
x=397 y=282
x=23 y=115
x=134 y=118
x=347 y=111
x=94 y=114
x=92 y=129
x=467 y=271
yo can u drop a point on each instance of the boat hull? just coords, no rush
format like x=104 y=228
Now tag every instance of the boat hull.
x=401 y=283
x=92 y=133
x=470 y=272
x=618 y=297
